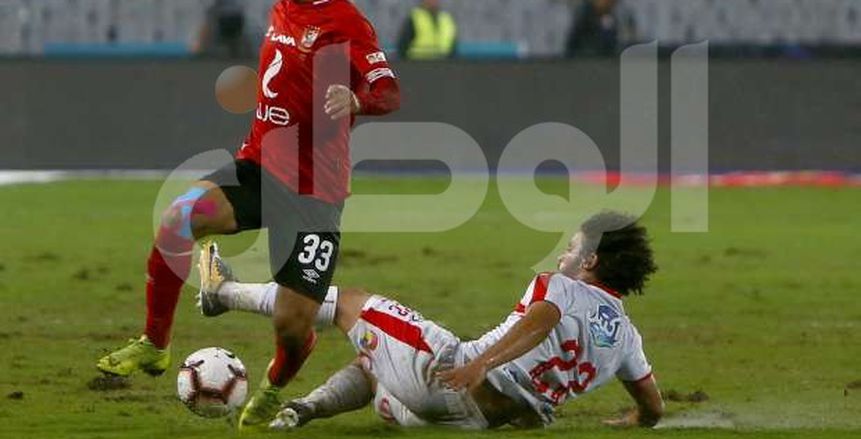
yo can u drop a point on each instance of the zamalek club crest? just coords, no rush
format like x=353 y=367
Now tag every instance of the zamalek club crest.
x=310 y=37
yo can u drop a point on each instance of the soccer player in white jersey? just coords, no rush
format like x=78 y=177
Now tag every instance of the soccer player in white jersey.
x=568 y=335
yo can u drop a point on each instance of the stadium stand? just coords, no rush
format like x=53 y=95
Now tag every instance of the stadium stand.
x=521 y=27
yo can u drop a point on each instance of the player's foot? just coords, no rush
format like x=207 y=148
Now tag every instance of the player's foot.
x=293 y=414
x=214 y=272
x=262 y=407
x=139 y=355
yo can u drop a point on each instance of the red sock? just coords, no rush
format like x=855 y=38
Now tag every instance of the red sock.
x=168 y=268
x=286 y=364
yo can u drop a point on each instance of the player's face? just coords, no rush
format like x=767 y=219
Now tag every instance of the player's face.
x=569 y=261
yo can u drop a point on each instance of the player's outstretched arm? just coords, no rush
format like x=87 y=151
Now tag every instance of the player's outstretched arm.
x=526 y=334
x=650 y=405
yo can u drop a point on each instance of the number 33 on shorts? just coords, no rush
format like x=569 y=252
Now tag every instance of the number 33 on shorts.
x=317 y=251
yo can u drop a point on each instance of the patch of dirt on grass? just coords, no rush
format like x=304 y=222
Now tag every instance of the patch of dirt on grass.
x=107 y=383
x=124 y=287
x=8 y=335
x=128 y=398
x=349 y=254
x=744 y=252
x=676 y=396
x=44 y=257
x=82 y=274
x=348 y=257
x=715 y=419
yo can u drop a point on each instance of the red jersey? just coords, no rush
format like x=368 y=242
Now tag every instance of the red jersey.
x=309 y=47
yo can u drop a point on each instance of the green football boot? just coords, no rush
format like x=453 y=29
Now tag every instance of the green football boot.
x=262 y=407
x=139 y=355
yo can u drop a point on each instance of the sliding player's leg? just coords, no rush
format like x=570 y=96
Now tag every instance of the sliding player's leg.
x=203 y=210
x=349 y=389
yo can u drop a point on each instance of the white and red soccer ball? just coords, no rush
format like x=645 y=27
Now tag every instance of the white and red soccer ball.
x=212 y=382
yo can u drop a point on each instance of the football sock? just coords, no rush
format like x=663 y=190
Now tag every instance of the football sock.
x=326 y=314
x=347 y=390
x=170 y=262
x=287 y=361
x=260 y=299
x=255 y=298
x=168 y=267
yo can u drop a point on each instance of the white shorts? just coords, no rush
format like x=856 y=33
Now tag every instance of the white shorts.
x=403 y=351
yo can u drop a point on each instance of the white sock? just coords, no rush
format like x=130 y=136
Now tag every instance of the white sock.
x=260 y=299
x=255 y=298
x=326 y=314
x=347 y=390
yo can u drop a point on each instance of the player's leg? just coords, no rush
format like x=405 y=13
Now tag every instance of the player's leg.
x=221 y=291
x=390 y=409
x=203 y=210
x=349 y=389
x=303 y=252
x=293 y=321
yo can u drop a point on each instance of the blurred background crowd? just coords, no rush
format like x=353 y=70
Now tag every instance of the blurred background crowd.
x=432 y=29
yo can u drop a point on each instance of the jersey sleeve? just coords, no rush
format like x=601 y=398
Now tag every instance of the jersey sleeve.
x=634 y=366
x=366 y=56
x=547 y=287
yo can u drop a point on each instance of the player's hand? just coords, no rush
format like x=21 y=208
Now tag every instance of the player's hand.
x=468 y=376
x=341 y=102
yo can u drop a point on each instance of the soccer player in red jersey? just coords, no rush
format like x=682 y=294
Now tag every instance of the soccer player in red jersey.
x=320 y=66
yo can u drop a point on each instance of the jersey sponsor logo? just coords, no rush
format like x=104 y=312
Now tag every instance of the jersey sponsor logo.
x=376 y=58
x=271 y=72
x=276 y=115
x=310 y=37
x=270 y=113
x=604 y=326
x=276 y=37
x=378 y=74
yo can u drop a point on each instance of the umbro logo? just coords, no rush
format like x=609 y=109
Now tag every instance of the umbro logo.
x=311 y=275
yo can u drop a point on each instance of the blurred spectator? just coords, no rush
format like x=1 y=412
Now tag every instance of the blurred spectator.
x=225 y=32
x=595 y=31
x=428 y=33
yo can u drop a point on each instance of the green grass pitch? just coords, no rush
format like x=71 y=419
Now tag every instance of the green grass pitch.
x=762 y=313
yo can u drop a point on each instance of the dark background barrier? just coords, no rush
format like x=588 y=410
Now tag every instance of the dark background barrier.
x=140 y=114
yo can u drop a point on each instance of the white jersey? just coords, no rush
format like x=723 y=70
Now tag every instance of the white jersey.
x=593 y=342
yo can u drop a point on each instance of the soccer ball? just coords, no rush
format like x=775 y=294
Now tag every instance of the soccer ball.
x=212 y=382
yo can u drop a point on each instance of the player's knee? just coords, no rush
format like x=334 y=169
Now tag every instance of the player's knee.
x=172 y=217
x=177 y=218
